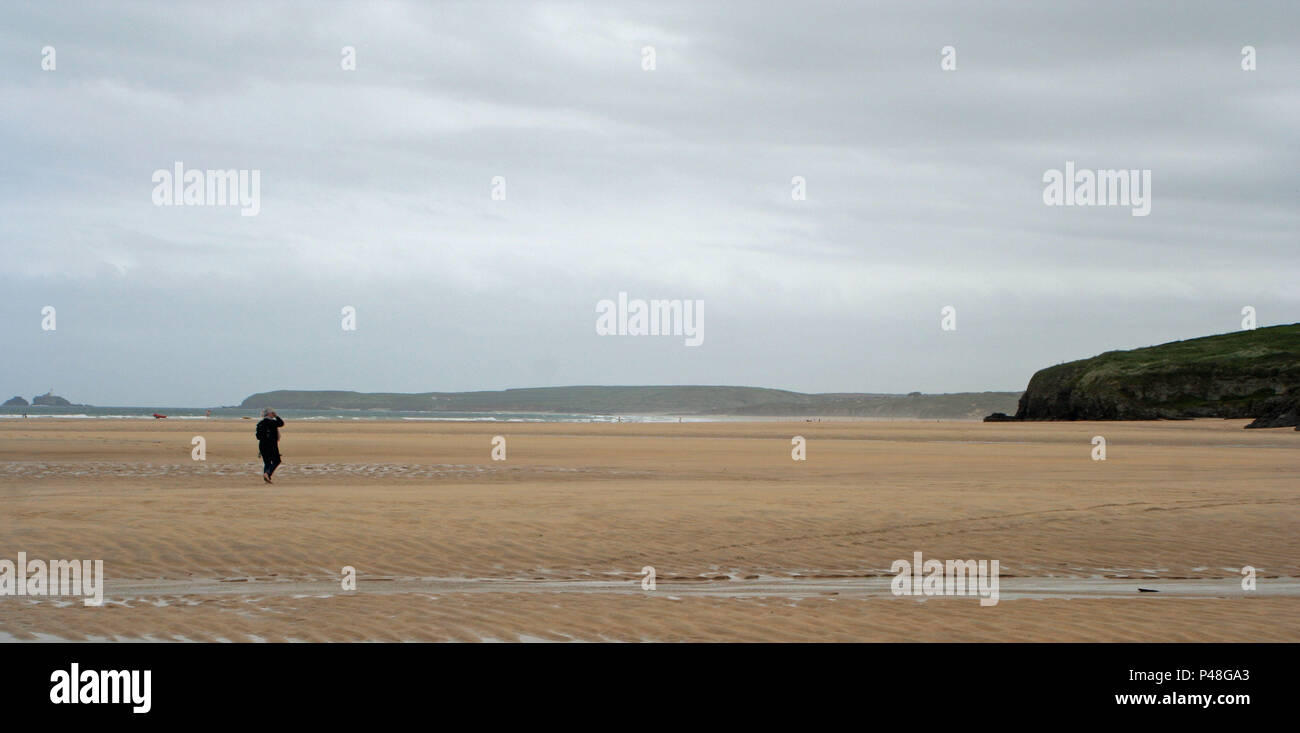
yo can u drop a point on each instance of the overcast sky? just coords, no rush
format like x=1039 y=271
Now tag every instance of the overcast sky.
x=924 y=190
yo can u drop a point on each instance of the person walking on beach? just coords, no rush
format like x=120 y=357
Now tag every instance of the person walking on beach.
x=268 y=442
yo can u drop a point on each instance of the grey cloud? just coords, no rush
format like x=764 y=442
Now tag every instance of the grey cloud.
x=924 y=190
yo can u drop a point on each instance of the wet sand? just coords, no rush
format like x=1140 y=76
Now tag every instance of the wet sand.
x=746 y=543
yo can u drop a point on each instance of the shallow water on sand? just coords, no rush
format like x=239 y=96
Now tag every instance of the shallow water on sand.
x=166 y=592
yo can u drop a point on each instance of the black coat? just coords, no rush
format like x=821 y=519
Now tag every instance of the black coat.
x=268 y=434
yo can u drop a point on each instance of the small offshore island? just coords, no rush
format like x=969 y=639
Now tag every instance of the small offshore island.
x=49 y=399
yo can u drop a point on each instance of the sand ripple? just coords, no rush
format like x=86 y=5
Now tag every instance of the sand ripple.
x=35 y=470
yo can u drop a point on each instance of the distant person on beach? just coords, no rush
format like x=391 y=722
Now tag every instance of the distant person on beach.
x=268 y=442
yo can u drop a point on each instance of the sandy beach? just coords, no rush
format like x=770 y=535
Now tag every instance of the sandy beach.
x=746 y=543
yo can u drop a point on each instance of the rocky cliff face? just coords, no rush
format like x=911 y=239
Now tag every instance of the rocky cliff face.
x=15 y=402
x=1236 y=375
x=51 y=400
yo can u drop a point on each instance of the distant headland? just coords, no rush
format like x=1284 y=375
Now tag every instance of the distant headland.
x=652 y=400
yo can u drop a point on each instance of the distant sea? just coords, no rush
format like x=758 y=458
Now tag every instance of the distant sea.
x=82 y=412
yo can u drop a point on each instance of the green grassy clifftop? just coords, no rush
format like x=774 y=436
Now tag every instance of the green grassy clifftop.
x=1233 y=375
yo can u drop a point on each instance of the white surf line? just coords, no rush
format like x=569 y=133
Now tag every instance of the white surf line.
x=861 y=588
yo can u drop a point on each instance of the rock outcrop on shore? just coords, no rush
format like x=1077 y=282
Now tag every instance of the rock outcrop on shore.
x=14 y=402
x=50 y=400
x=1253 y=374
x=1279 y=412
